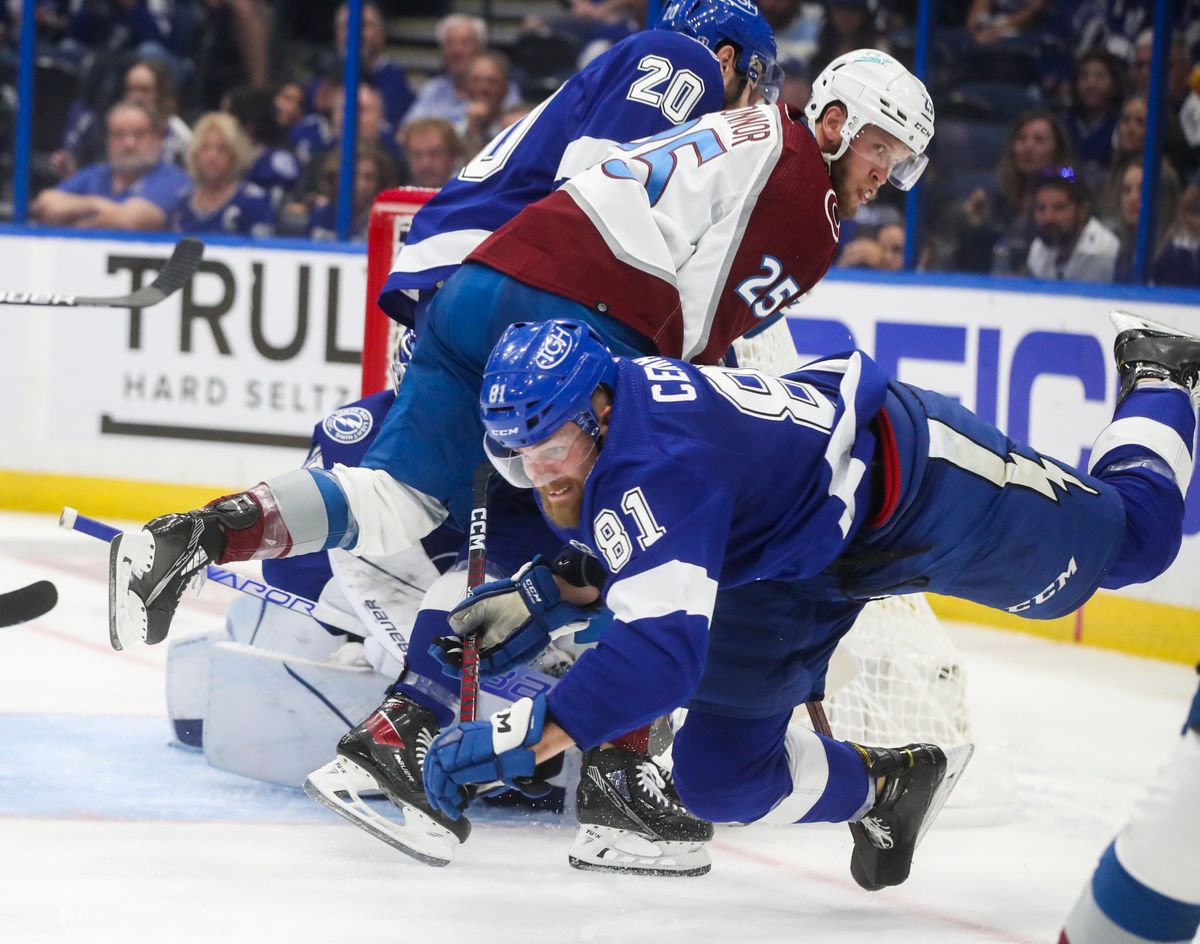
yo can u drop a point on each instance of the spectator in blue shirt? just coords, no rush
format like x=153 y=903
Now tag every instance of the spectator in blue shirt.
x=461 y=38
x=222 y=201
x=134 y=189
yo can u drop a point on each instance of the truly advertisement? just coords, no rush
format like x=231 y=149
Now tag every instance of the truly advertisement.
x=259 y=346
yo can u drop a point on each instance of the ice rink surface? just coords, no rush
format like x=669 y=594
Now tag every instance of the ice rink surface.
x=107 y=834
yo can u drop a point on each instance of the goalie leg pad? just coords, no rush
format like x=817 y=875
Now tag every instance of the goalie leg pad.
x=276 y=717
x=187 y=685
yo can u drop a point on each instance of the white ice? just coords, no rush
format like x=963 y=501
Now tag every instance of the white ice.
x=107 y=834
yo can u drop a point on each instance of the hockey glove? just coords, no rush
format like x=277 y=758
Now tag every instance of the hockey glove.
x=150 y=569
x=484 y=752
x=517 y=618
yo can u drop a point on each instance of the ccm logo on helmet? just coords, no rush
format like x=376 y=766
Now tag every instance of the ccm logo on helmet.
x=554 y=349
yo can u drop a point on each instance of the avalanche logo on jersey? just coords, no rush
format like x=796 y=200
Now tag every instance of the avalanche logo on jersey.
x=350 y=424
x=553 y=350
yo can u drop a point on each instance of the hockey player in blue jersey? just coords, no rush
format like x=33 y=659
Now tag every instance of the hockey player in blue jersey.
x=1147 y=885
x=770 y=191
x=682 y=480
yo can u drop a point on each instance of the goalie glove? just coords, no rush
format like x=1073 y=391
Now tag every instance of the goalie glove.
x=516 y=619
x=487 y=752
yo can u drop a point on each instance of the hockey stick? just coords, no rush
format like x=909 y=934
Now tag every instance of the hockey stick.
x=27 y=603
x=476 y=568
x=171 y=278
x=511 y=685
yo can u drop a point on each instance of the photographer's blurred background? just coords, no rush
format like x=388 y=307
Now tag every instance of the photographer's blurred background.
x=228 y=116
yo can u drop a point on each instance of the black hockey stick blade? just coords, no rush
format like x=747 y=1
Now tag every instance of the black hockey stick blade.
x=27 y=603
x=171 y=278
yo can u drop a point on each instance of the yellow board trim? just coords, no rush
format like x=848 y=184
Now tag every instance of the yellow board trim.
x=100 y=498
x=1107 y=621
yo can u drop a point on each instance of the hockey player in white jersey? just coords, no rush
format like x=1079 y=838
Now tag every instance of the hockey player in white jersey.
x=1147 y=885
x=677 y=246
x=683 y=480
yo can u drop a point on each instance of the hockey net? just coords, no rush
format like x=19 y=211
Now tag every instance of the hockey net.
x=896 y=678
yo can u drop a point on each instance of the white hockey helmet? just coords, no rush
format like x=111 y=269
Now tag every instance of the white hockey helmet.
x=875 y=89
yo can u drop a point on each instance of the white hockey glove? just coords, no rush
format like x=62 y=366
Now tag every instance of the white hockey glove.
x=518 y=617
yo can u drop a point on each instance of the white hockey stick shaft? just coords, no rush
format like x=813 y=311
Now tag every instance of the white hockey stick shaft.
x=72 y=520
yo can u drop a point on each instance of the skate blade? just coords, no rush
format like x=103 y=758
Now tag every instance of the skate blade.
x=338 y=785
x=957 y=759
x=1127 y=321
x=131 y=553
x=606 y=849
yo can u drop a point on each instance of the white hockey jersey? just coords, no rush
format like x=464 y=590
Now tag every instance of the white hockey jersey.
x=692 y=236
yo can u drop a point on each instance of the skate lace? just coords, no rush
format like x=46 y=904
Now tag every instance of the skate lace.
x=651 y=782
x=424 y=740
x=878 y=832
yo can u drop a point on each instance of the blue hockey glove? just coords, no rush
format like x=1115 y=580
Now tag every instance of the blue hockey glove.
x=517 y=618
x=483 y=752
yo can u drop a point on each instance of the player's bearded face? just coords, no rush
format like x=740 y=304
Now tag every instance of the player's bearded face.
x=558 y=468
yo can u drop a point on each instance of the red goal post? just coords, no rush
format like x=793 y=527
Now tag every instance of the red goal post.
x=391 y=216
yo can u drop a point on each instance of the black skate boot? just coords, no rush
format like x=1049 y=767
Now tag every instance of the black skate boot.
x=1146 y=348
x=386 y=754
x=148 y=570
x=631 y=819
x=917 y=780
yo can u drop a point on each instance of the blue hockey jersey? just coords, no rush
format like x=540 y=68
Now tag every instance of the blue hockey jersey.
x=709 y=477
x=645 y=84
x=248 y=213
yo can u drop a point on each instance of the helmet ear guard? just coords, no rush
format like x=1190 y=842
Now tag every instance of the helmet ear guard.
x=875 y=89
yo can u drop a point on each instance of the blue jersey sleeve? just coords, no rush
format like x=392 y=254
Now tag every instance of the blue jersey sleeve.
x=164 y=186
x=663 y=541
x=87 y=182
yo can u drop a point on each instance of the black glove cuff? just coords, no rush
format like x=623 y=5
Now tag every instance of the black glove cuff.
x=579 y=568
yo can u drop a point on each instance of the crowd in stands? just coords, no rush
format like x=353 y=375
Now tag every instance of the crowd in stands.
x=202 y=116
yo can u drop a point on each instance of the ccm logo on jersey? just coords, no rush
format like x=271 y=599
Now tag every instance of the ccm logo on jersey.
x=1059 y=582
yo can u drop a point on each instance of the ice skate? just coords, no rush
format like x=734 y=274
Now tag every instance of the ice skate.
x=1146 y=348
x=631 y=819
x=148 y=570
x=385 y=755
x=918 y=780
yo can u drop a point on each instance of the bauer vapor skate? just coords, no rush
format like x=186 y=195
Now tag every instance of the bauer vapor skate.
x=1148 y=349
x=148 y=570
x=385 y=755
x=631 y=820
x=918 y=780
